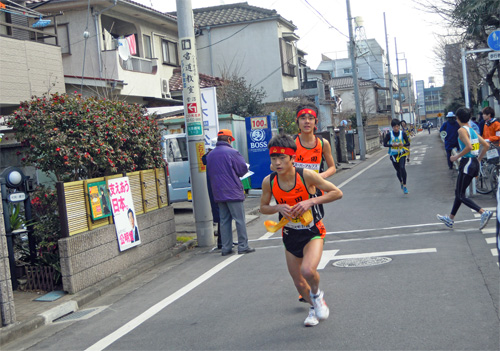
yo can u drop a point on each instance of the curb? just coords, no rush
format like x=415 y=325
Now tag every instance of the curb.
x=14 y=331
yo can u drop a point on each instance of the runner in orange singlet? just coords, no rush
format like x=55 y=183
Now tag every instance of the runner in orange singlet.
x=295 y=192
x=311 y=150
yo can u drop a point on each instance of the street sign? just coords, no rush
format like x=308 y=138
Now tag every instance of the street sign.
x=494 y=40
x=495 y=55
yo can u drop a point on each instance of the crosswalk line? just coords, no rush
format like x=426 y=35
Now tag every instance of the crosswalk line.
x=491 y=240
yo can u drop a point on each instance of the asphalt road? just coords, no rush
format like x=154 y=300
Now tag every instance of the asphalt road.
x=437 y=290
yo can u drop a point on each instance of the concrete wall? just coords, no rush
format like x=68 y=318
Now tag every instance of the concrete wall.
x=253 y=53
x=28 y=68
x=90 y=257
x=7 y=310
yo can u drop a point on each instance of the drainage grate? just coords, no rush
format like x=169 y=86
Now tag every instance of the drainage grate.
x=78 y=315
x=361 y=262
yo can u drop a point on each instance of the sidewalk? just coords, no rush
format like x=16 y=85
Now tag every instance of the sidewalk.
x=31 y=314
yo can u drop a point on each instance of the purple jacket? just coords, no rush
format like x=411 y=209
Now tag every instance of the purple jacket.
x=224 y=166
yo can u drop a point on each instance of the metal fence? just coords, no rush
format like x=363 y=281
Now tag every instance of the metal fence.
x=149 y=192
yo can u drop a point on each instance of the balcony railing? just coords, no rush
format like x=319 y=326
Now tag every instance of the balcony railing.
x=16 y=31
x=139 y=64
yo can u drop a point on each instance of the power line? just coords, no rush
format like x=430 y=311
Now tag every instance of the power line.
x=324 y=19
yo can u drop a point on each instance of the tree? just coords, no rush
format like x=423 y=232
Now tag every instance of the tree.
x=285 y=111
x=237 y=97
x=81 y=138
x=471 y=22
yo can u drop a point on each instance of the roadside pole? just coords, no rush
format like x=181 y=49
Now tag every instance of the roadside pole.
x=194 y=123
x=359 y=120
x=389 y=71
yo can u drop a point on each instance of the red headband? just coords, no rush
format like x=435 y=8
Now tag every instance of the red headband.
x=306 y=110
x=282 y=150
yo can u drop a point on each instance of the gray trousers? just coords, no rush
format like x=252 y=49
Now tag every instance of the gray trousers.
x=229 y=211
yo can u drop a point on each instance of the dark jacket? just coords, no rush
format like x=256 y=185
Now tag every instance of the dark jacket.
x=224 y=166
x=451 y=140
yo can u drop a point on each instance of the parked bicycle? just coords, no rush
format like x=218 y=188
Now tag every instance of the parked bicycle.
x=487 y=180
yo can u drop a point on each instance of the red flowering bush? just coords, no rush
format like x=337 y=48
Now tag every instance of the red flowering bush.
x=81 y=138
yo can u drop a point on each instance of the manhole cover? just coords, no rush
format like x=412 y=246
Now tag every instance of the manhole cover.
x=362 y=262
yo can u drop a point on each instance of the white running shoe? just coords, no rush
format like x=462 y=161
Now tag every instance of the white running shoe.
x=321 y=309
x=311 y=319
x=485 y=217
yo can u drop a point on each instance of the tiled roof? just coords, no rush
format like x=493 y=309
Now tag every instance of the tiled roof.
x=347 y=83
x=206 y=81
x=232 y=14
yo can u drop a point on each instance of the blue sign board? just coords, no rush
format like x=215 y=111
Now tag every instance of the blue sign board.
x=494 y=40
x=259 y=132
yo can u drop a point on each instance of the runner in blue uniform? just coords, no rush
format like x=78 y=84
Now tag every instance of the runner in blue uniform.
x=469 y=143
x=397 y=142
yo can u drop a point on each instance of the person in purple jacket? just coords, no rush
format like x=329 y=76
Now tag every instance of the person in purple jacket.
x=225 y=166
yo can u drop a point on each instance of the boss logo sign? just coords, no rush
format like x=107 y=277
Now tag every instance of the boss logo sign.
x=257 y=139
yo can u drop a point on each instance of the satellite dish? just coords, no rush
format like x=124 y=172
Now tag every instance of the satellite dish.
x=123 y=49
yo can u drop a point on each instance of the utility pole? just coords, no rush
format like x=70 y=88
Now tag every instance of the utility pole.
x=389 y=70
x=194 y=123
x=399 y=82
x=359 y=120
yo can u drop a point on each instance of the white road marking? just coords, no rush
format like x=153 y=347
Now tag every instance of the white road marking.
x=494 y=252
x=489 y=230
x=491 y=240
x=360 y=172
x=329 y=255
x=265 y=236
x=134 y=323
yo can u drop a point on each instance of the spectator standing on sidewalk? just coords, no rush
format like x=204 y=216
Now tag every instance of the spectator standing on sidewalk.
x=470 y=144
x=451 y=140
x=491 y=131
x=225 y=166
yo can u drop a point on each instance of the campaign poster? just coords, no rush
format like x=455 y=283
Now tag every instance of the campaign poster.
x=122 y=205
x=99 y=200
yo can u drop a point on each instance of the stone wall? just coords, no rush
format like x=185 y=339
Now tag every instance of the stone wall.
x=90 y=257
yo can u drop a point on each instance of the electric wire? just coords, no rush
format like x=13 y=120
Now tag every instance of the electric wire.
x=324 y=19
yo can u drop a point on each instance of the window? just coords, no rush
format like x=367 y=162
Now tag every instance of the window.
x=169 y=50
x=287 y=62
x=147 y=46
x=347 y=70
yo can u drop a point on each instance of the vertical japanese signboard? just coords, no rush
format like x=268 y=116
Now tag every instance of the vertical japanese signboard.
x=210 y=114
x=191 y=87
x=122 y=205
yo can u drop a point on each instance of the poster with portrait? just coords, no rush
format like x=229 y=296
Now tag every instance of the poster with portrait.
x=98 y=200
x=122 y=205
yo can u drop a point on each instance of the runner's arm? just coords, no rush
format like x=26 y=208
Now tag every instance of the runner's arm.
x=313 y=179
x=265 y=201
x=464 y=137
x=485 y=147
x=406 y=140
x=327 y=154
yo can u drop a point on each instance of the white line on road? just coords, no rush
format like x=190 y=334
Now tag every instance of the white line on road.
x=330 y=255
x=360 y=172
x=134 y=323
x=491 y=240
x=267 y=237
x=264 y=237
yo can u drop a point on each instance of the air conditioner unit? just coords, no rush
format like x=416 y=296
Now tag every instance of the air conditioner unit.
x=165 y=89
